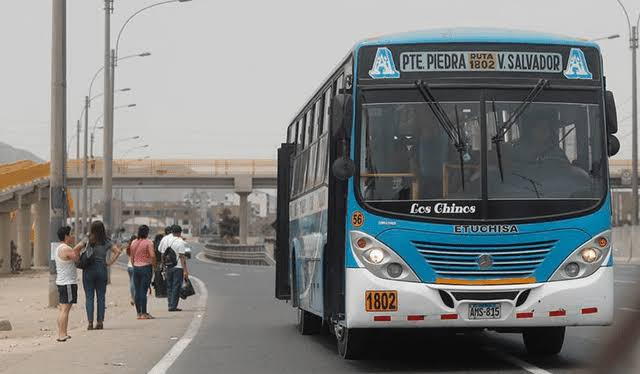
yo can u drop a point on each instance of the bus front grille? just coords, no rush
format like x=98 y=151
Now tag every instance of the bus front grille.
x=456 y=260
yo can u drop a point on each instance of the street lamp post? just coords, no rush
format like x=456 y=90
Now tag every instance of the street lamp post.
x=633 y=44
x=613 y=36
x=133 y=149
x=111 y=57
x=87 y=103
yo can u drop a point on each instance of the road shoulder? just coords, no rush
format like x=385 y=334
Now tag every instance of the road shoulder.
x=126 y=344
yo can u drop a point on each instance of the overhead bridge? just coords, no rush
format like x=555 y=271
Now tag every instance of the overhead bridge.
x=24 y=192
x=239 y=175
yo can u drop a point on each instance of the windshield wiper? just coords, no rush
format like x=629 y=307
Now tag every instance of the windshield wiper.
x=533 y=183
x=504 y=129
x=453 y=132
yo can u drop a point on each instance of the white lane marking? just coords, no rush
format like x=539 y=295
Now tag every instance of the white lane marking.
x=629 y=310
x=626 y=282
x=170 y=357
x=518 y=362
x=232 y=275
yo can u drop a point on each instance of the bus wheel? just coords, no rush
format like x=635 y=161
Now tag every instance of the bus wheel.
x=350 y=342
x=544 y=341
x=308 y=323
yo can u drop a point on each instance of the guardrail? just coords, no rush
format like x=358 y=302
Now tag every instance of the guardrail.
x=176 y=168
x=238 y=254
x=18 y=174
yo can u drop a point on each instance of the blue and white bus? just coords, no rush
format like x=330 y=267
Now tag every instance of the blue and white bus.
x=451 y=178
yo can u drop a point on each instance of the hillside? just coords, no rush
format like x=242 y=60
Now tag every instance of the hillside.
x=11 y=154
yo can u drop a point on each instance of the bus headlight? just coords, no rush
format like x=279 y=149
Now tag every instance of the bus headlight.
x=375 y=256
x=590 y=255
x=379 y=259
x=585 y=260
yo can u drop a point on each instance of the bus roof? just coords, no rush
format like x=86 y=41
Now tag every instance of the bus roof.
x=475 y=35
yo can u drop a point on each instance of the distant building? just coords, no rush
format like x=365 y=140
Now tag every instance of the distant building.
x=162 y=214
x=262 y=204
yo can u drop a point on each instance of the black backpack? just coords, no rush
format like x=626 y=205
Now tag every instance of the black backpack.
x=169 y=258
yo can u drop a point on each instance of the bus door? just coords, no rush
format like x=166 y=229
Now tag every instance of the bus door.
x=282 y=251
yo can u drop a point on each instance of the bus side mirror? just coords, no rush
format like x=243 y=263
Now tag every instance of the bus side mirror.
x=613 y=145
x=611 y=115
x=343 y=168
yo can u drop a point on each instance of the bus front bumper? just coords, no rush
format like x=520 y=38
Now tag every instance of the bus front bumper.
x=580 y=302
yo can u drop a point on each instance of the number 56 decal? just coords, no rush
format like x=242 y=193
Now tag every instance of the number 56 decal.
x=357 y=219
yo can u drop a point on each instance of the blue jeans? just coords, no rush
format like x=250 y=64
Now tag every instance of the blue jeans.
x=94 y=281
x=174 y=281
x=142 y=281
x=132 y=289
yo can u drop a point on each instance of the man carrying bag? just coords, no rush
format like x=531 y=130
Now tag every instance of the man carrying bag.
x=173 y=248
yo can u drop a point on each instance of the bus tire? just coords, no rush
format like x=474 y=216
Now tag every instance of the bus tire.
x=308 y=323
x=543 y=341
x=351 y=343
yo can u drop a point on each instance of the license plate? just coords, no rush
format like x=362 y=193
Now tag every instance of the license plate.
x=381 y=301
x=484 y=311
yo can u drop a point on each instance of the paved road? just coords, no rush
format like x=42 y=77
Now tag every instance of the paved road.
x=246 y=330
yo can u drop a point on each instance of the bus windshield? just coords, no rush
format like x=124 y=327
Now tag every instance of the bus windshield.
x=550 y=155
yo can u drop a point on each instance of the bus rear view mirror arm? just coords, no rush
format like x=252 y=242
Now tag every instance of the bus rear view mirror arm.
x=341 y=114
x=343 y=167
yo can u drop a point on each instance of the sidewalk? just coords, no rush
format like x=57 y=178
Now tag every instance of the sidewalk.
x=126 y=345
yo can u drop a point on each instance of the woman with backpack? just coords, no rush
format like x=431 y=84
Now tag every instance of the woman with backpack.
x=143 y=257
x=99 y=253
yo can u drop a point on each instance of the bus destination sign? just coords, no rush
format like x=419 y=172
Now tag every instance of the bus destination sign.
x=532 y=62
x=491 y=60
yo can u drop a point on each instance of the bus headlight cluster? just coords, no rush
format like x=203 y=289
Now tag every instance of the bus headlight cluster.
x=585 y=260
x=379 y=259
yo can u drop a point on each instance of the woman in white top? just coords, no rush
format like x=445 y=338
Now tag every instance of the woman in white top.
x=132 y=289
x=66 y=278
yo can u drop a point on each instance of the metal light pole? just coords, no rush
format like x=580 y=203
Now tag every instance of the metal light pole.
x=108 y=131
x=87 y=103
x=85 y=168
x=633 y=44
x=58 y=130
x=76 y=205
x=111 y=58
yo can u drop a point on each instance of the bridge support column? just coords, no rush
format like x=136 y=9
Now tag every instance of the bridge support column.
x=41 y=246
x=243 y=187
x=5 y=249
x=244 y=216
x=24 y=230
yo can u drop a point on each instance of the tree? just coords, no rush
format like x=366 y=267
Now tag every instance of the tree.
x=229 y=226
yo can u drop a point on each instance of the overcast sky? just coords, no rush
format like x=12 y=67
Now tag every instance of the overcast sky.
x=225 y=77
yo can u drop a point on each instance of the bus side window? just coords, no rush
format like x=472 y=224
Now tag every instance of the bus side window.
x=302 y=176
x=291 y=133
x=322 y=159
x=327 y=107
x=294 y=177
x=311 y=168
x=301 y=133
x=339 y=83
x=309 y=122
x=317 y=119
